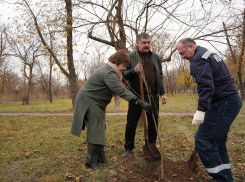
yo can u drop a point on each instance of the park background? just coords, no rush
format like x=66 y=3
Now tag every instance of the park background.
x=49 y=49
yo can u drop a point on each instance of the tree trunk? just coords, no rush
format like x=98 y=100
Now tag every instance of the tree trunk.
x=73 y=89
x=50 y=81
x=25 y=98
x=242 y=85
x=72 y=76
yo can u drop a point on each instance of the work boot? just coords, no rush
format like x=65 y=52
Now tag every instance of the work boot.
x=211 y=179
x=92 y=156
x=102 y=159
x=126 y=153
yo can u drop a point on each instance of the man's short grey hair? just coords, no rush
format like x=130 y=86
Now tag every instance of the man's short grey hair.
x=143 y=35
x=187 y=41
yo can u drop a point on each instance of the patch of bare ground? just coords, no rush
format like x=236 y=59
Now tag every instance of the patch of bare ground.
x=133 y=170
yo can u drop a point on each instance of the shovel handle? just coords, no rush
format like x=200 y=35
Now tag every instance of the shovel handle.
x=143 y=111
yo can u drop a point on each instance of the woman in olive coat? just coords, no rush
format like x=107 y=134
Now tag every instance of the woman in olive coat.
x=91 y=103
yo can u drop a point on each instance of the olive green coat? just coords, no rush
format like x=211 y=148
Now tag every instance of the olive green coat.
x=93 y=98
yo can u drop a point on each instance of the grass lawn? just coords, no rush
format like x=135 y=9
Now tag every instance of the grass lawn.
x=38 y=106
x=41 y=148
x=180 y=103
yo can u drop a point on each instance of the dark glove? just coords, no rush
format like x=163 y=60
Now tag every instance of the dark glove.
x=149 y=108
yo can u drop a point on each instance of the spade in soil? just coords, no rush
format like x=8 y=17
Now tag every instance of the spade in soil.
x=150 y=150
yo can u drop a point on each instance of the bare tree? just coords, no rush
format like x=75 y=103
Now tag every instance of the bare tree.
x=71 y=75
x=236 y=46
x=169 y=79
x=117 y=23
x=28 y=52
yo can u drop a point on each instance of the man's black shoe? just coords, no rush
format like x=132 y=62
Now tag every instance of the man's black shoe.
x=126 y=153
x=92 y=166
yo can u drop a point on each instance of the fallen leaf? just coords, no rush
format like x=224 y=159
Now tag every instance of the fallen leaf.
x=114 y=158
x=122 y=167
x=174 y=175
x=131 y=172
x=113 y=172
x=133 y=178
x=77 y=179
x=191 y=179
x=69 y=175
x=183 y=160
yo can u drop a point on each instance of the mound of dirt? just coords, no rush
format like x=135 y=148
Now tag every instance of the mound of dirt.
x=132 y=170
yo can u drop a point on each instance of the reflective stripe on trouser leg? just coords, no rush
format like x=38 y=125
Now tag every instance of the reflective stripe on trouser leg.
x=210 y=158
x=223 y=168
x=219 y=168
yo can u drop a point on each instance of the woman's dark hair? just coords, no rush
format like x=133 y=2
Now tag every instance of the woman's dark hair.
x=120 y=57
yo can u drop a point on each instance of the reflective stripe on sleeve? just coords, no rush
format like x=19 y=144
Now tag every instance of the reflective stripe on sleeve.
x=206 y=54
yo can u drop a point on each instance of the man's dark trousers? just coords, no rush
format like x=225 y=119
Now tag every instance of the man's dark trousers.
x=134 y=113
x=211 y=137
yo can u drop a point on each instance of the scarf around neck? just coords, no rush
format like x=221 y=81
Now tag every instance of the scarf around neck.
x=119 y=75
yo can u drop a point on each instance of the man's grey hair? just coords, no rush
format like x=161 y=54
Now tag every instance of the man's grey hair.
x=143 y=35
x=187 y=41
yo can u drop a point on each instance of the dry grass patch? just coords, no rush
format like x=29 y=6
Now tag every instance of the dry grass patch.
x=37 y=148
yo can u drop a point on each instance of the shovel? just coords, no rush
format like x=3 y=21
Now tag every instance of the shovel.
x=150 y=150
x=192 y=162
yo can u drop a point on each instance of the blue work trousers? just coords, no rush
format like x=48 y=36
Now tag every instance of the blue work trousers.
x=211 y=137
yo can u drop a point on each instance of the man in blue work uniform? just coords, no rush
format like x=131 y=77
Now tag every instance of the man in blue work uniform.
x=218 y=105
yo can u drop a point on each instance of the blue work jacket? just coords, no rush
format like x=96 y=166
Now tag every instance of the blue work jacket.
x=213 y=78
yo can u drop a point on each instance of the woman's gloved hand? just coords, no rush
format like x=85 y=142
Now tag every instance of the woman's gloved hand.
x=149 y=108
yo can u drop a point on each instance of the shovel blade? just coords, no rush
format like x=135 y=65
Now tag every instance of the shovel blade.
x=151 y=152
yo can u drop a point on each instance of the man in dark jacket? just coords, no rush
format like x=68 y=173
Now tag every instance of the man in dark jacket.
x=150 y=63
x=218 y=105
